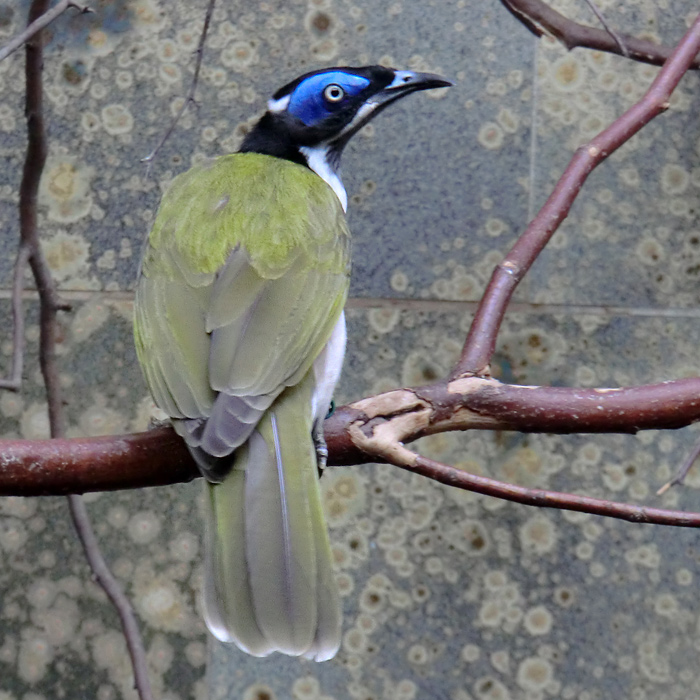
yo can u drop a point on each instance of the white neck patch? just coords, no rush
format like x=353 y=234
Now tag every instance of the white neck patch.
x=317 y=158
x=365 y=110
x=279 y=105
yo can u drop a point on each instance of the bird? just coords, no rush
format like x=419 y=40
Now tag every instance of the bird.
x=240 y=332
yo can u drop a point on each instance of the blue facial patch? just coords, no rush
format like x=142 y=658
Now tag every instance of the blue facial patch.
x=307 y=102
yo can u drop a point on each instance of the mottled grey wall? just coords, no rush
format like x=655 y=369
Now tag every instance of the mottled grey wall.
x=447 y=594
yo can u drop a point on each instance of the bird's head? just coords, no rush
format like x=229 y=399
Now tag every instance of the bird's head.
x=311 y=119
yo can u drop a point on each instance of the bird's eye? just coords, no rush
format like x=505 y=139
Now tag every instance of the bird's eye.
x=333 y=93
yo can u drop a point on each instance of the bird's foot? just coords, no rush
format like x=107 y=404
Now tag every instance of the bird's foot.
x=321 y=450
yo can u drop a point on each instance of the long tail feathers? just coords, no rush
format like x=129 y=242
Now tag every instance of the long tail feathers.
x=269 y=579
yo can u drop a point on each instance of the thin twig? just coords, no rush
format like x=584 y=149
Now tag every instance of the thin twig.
x=682 y=471
x=549 y=499
x=481 y=340
x=14 y=381
x=189 y=99
x=105 y=578
x=540 y=19
x=49 y=306
x=38 y=24
x=608 y=28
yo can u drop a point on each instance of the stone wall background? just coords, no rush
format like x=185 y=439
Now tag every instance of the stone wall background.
x=447 y=594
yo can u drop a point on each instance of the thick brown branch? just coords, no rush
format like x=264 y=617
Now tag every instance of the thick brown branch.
x=541 y=19
x=61 y=467
x=477 y=403
x=481 y=340
x=159 y=457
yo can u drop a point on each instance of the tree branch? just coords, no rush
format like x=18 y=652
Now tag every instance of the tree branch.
x=159 y=457
x=481 y=340
x=541 y=19
x=49 y=306
x=189 y=99
x=39 y=23
x=549 y=499
x=81 y=465
x=608 y=28
x=374 y=430
x=682 y=471
x=479 y=403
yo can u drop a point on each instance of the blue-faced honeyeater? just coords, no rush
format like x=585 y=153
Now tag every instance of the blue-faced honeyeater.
x=240 y=332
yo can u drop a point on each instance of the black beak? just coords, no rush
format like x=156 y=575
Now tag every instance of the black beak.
x=404 y=83
x=407 y=81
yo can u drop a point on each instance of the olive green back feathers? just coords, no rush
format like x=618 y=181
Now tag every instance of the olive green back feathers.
x=248 y=243
x=242 y=284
